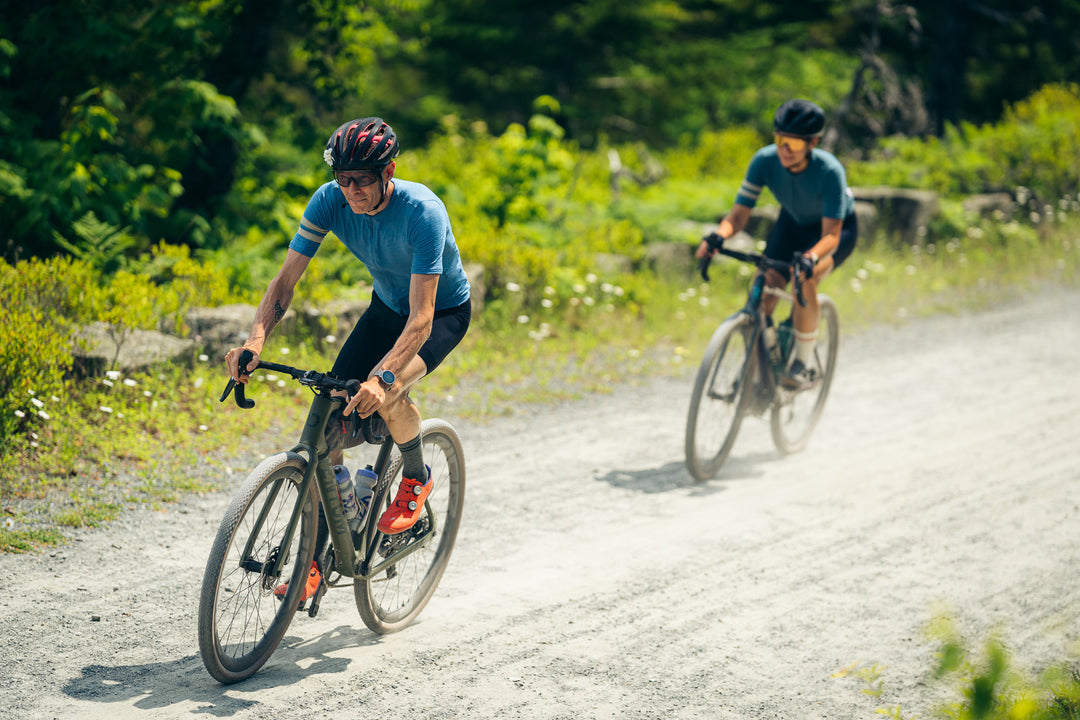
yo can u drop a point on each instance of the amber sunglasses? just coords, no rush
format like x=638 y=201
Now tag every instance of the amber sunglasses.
x=795 y=144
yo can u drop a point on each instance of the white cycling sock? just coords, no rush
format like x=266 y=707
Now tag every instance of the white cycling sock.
x=804 y=346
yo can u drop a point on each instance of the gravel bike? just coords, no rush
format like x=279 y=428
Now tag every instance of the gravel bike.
x=267 y=536
x=738 y=375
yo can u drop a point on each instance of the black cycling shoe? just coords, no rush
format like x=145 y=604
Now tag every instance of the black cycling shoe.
x=798 y=376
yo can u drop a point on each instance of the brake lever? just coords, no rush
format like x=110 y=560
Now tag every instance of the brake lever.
x=238 y=388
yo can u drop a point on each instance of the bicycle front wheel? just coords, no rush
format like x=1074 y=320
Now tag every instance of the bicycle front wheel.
x=392 y=598
x=720 y=396
x=796 y=413
x=241 y=621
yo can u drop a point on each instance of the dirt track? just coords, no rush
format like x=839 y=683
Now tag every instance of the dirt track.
x=593 y=579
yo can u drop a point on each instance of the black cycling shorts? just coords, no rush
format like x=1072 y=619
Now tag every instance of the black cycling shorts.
x=787 y=237
x=379 y=328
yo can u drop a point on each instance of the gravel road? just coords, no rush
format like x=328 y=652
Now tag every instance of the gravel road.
x=593 y=579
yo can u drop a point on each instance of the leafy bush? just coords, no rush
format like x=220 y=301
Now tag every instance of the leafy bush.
x=993 y=688
x=45 y=300
x=1035 y=146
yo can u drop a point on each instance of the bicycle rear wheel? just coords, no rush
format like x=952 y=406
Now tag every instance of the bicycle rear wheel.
x=391 y=599
x=720 y=396
x=795 y=414
x=241 y=622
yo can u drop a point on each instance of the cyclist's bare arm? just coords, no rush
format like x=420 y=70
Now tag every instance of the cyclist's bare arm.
x=402 y=360
x=830 y=238
x=272 y=307
x=732 y=223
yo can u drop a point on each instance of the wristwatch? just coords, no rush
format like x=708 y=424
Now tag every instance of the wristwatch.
x=386 y=377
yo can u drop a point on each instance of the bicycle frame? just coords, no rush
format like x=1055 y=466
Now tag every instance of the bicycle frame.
x=760 y=355
x=354 y=552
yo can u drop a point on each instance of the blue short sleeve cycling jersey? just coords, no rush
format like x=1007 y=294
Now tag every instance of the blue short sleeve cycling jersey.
x=411 y=235
x=819 y=191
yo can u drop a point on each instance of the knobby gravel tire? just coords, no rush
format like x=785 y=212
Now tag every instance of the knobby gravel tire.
x=391 y=600
x=720 y=396
x=241 y=621
x=796 y=414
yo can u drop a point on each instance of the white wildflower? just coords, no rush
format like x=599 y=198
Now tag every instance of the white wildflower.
x=105 y=409
x=513 y=287
x=284 y=351
x=20 y=414
x=548 y=290
x=130 y=383
x=546 y=302
x=330 y=339
x=590 y=278
x=113 y=374
x=37 y=403
x=44 y=415
x=203 y=357
x=107 y=382
x=199 y=381
x=522 y=319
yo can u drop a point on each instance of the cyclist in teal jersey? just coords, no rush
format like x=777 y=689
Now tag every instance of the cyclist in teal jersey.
x=817 y=218
x=420 y=306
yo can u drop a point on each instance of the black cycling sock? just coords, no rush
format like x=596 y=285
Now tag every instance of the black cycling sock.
x=412 y=460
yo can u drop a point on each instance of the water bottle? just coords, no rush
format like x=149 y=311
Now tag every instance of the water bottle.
x=365 y=488
x=346 y=492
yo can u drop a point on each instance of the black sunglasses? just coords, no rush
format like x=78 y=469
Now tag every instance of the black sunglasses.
x=362 y=180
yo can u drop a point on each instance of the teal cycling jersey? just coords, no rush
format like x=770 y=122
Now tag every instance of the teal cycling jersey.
x=819 y=191
x=411 y=235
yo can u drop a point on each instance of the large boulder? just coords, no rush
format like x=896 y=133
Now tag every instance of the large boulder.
x=902 y=214
x=217 y=329
x=100 y=346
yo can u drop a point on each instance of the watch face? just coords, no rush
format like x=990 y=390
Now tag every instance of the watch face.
x=387 y=377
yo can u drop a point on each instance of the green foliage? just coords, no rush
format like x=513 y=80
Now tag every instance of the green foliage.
x=1034 y=147
x=45 y=300
x=42 y=299
x=991 y=686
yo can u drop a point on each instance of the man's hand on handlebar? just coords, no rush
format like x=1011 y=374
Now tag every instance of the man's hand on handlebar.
x=232 y=362
x=804 y=264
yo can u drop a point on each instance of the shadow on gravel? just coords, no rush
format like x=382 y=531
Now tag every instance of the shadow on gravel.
x=154 y=686
x=674 y=476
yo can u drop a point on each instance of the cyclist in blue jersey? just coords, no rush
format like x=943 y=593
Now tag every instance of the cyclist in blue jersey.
x=420 y=305
x=817 y=218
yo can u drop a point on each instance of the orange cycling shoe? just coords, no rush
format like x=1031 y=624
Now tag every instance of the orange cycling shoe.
x=407 y=506
x=312 y=584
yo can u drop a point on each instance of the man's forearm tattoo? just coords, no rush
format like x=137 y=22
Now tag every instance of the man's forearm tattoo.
x=279 y=312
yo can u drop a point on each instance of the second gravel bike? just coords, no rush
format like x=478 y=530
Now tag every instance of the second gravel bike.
x=739 y=374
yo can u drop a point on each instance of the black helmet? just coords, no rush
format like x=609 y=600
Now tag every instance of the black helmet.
x=799 y=117
x=363 y=144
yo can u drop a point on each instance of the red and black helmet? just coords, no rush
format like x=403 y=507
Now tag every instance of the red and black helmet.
x=368 y=143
